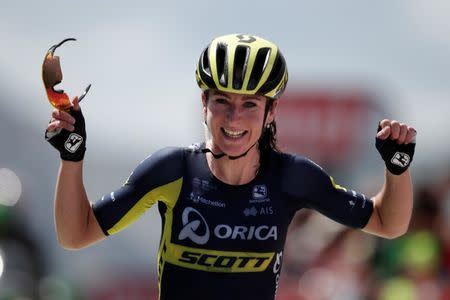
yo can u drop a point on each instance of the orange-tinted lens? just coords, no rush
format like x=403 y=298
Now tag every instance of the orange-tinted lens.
x=58 y=100
x=51 y=70
x=52 y=75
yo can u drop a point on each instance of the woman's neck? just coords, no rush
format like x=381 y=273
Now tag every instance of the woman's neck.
x=235 y=172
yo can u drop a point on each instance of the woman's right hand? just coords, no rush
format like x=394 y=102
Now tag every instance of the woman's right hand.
x=62 y=119
x=66 y=132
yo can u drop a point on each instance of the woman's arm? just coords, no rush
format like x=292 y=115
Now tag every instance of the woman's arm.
x=76 y=225
x=393 y=204
x=392 y=207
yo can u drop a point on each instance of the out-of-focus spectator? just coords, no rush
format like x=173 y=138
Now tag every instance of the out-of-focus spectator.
x=21 y=261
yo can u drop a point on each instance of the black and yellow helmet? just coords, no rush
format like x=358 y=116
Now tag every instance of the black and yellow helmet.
x=242 y=64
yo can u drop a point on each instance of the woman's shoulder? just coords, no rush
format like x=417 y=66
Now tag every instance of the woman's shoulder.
x=173 y=152
x=167 y=162
x=164 y=154
x=294 y=162
x=171 y=156
x=291 y=158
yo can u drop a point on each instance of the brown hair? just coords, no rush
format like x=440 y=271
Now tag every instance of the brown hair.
x=268 y=140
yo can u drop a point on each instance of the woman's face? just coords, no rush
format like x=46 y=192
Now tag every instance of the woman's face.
x=235 y=121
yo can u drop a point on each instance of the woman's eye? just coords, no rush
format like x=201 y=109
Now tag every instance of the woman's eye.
x=249 y=104
x=221 y=101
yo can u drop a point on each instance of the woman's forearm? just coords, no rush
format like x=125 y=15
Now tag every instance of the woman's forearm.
x=394 y=203
x=72 y=207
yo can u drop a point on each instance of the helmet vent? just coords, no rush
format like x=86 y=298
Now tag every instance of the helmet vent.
x=240 y=65
x=204 y=70
x=222 y=64
x=275 y=76
x=205 y=63
x=258 y=67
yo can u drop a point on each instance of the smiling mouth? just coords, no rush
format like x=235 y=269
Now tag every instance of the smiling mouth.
x=233 y=133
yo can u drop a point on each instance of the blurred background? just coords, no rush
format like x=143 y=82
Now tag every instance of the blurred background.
x=351 y=63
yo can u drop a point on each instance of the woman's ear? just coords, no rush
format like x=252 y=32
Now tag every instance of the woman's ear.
x=272 y=112
x=204 y=106
x=204 y=100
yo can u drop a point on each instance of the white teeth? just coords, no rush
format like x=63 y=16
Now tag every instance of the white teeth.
x=232 y=133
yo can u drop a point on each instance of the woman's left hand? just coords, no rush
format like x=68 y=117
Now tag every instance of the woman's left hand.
x=399 y=132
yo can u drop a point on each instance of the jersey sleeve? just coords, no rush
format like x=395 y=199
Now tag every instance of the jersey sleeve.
x=156 y=178
x=309 y=184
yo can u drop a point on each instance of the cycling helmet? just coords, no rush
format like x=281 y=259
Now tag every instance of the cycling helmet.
x=243 y=64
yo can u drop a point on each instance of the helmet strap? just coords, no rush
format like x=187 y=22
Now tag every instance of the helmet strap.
x=220 y=155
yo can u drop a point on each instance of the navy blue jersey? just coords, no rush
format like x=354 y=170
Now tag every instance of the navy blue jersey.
x=222 y=241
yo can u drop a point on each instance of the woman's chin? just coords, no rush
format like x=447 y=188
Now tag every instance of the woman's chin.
x=235 y=150
x=232 y=146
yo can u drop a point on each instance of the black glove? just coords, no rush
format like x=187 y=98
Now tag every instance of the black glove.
x=71 y=145
x=397 y=157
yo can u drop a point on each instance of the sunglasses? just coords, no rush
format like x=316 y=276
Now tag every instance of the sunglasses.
x=52 y=75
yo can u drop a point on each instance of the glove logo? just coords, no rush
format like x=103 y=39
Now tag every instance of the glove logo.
x=73 y=142
x=401 y=159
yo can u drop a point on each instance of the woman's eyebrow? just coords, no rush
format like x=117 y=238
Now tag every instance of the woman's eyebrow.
x=220 y=94
x=252 y=97
x=246 y=97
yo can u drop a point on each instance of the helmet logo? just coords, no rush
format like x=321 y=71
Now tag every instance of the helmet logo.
x=246 y=38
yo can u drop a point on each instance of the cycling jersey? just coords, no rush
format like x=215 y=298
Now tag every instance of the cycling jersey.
x=222 y=241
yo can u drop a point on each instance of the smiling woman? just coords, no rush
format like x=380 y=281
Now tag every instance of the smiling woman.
x=226 y=203
x=237 y=121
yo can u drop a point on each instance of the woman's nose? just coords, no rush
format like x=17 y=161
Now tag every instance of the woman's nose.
x=233 y=113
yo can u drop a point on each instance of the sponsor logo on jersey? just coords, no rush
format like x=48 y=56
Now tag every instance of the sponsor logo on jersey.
x=277 y=264
x=190 y=227
x=199 y=187
x=253 y=211
x=277 y=269
x=196 y=198
x=196 y=183
x=261 y=233
x=217 y=261
x=250 y=211
x=201 y=184
x=197 y=229
x=259 y=194
x=356 y=195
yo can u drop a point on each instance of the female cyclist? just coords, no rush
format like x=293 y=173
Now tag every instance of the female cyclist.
x=226 y=203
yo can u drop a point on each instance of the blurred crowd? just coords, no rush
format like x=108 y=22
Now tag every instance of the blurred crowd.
x=326 y=261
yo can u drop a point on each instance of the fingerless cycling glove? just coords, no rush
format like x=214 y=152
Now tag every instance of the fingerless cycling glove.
x=71 y=145
x=397 y=157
